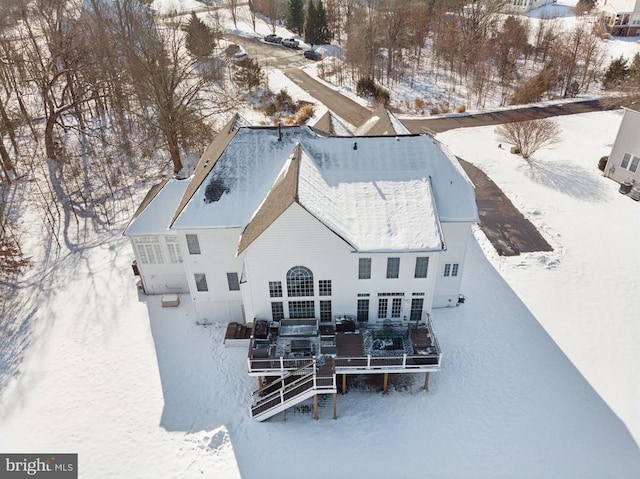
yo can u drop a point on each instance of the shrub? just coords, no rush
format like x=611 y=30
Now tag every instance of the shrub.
x=270 y=109
x=461 y=108
x=284 y=102
x=602 y=163
x=365 y=86
x=304 y=113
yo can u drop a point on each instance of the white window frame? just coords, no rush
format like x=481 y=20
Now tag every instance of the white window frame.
x=201 y=282
x=193 y=244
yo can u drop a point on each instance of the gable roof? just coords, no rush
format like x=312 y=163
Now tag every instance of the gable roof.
x=241 y=177
x=154 y=214
x=386 y=193
x=381 y=123
x=329 y=125
x=283 y=194
x=208 y=160
x=377 y=197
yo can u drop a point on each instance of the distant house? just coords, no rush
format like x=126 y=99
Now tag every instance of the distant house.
x=623 y=165
x=309 y=238
x=621 y=17
x=524 y=6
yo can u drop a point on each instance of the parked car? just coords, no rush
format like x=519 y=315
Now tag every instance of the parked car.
x=312 y=55
x=290 y=43
x=273 y=38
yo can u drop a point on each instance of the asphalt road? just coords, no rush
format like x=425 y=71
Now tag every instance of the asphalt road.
x=444 y=123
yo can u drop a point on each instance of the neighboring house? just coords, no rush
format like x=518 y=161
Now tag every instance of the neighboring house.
x=623 y=165
x=524 y=6
x=306 y=235
x=621 y=17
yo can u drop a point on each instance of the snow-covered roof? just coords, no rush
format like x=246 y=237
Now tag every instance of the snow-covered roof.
x=377 y=197
x=328 y=124
x=620 y=6
x=154 y=215
x=377 y=193
x=241 y=177
x=381 y=122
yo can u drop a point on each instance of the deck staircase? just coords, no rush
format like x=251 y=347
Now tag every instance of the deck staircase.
x=293 y=388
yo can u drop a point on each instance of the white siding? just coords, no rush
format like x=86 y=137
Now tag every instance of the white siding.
x=627 y=141
x=448 y=288
x=161 y=276
x=217 y=258
x=297 y=239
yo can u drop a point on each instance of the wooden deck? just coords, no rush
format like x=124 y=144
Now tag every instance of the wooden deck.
x=401 y=348
x=349 y=345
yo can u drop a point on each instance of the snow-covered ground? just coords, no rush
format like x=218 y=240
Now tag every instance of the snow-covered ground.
x=144 y=392
x=585 y=292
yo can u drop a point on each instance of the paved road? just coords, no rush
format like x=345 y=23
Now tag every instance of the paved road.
x=345 y=108
x=440 y=124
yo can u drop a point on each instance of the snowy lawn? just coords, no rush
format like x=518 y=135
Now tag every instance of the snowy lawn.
x=585 y=292
x=140 y=391
x=144 y=392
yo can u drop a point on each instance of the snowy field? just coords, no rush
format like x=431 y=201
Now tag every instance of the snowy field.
x=585 y=292
x=144 y=392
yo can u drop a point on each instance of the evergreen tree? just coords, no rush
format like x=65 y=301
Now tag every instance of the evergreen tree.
x=249 y=74
x=617 y=73
x=310 y=23
x=315 y=29
x=200 y=39
x=295 y=16
x=322 y=30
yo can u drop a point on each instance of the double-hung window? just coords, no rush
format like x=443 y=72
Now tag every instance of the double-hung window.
x=422 y=267
x=233 y=282
x=193 y=244
x=364 y=268
x=201 y=281
x=451 y=269
x=393 y=268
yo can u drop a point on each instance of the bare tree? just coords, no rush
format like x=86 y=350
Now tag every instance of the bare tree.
x=529 y=136
x=232 y=5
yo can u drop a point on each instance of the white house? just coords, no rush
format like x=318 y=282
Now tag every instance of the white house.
x=380 y=223
x=623 y=165
x=524 y=6
x=621 y=17
x=304 y=235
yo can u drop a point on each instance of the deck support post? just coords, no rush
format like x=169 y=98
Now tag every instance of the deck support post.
x=259 y=382
x=426 y=381
x=344 y=384
x=335 y=405
x=385 y=383
x=315 y=407
x=284 y=414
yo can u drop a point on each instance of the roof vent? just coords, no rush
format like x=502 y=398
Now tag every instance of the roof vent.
x=279 y=132
x=355 y=145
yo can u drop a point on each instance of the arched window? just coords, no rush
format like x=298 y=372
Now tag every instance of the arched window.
x=300 y=281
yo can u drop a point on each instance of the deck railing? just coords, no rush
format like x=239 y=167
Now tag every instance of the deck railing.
x=404 y=362
x=286 y=392
x=354 y=364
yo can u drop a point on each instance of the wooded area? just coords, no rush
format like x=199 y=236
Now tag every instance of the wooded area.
x=96 y=96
